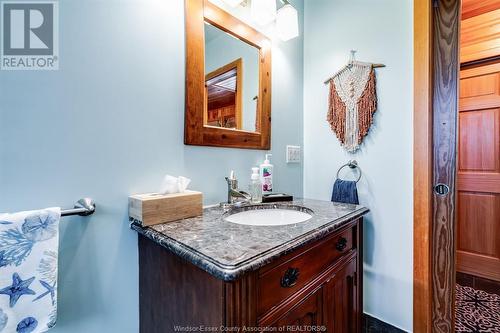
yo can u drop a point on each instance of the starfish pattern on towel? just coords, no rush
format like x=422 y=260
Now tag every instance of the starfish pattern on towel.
x=17 y=289
x=3 y=261
x=28 y=270
x=50 y=290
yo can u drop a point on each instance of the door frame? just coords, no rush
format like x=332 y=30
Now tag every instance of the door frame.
x=436 y=75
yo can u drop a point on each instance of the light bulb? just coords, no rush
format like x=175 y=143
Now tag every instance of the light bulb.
x=287 y=22
x=263 y=11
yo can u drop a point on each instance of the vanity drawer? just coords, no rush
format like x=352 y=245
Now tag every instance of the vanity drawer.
x=276 y=284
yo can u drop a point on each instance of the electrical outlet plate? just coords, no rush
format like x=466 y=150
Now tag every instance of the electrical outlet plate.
x=292 y=154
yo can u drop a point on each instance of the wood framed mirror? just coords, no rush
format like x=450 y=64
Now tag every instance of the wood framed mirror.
x=228 y=80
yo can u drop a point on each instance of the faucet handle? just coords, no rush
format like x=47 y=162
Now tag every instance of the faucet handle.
x=232 y=182
x=231 y=177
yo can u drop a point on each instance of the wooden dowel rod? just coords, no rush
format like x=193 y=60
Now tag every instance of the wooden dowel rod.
x=373 y=65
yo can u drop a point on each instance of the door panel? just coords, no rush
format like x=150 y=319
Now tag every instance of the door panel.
x=477 y=237
x=341 y=301
x=306 y=314
x=479 y=140
x=480 y=88
x=478 y=246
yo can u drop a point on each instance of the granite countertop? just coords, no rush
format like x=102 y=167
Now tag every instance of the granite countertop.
x=228 y=250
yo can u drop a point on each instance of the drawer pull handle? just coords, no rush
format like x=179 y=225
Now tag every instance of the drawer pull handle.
x=341 y=244
x=290 y=277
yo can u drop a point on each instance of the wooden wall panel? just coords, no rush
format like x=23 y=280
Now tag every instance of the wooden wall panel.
x=480 y=37
x=471 y=8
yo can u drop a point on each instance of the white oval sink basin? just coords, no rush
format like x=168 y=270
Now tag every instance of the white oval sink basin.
x=268 y=217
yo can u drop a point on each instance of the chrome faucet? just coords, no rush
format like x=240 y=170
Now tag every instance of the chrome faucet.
x=234 y=195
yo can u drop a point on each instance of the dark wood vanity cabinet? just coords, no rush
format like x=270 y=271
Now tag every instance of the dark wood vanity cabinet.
x=332 y=307
x=308 y=312
x=341 y=300
x=317 y=285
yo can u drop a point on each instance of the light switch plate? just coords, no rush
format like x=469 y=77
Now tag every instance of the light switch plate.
x=292 y=154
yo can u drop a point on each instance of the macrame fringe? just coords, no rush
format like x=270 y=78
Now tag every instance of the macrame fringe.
x=367 y=105
x=336 y=113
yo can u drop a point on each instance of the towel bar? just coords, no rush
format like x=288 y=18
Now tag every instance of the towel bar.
x=83 y=207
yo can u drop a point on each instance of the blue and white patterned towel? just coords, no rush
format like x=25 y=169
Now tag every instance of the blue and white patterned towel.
x=28 y=270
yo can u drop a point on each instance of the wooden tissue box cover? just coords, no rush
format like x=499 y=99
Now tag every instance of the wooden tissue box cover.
x=154 y=208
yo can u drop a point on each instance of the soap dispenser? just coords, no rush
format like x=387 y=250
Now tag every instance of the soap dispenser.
x=266 y=175
x=255 y=186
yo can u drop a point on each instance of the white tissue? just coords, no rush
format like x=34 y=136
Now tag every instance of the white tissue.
x=173 y=184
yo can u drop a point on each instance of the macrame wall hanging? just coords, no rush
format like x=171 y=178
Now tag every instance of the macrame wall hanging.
x=352 y=102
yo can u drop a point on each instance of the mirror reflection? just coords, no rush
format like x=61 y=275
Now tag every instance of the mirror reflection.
x=231 y=81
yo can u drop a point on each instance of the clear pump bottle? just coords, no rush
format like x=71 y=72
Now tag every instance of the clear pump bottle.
x=255 y=186
x=266 y=175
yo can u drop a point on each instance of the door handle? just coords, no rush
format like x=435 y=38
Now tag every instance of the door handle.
x=441 y=189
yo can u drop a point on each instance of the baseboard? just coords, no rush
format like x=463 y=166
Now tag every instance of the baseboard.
x=476 y=282
x=374 y=325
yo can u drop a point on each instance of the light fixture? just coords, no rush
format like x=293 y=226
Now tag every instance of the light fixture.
x=287 y=22
x=233 y=3
x=263 y=11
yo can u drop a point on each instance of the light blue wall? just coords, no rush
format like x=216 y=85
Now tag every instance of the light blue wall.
x=110 y=123
x=381 y=31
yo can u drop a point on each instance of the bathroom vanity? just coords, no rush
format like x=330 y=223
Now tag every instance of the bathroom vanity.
x=206 y=273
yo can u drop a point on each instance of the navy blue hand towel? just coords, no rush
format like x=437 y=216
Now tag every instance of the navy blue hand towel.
x=345 y=191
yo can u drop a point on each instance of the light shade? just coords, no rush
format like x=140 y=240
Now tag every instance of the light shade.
x=287 y=23
x=263 y=11
x=233 y=3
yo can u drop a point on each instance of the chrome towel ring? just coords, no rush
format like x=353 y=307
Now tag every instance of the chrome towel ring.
x=353 y=164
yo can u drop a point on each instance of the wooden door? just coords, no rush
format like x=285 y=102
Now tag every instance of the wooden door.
x=341 y=305
x=301 y=317
x=478 y=245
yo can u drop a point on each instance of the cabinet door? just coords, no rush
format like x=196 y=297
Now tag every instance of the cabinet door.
x=305 y=314
x=341 y=301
